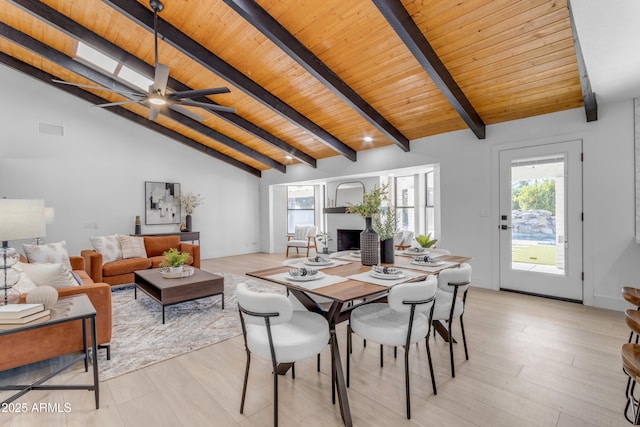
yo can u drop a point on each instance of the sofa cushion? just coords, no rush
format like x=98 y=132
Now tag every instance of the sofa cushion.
x=132 y=247
x=53 y=274
x=51 y=252
x=108 y=246
x=125 y=266
x=24 y=285
x=157 y=245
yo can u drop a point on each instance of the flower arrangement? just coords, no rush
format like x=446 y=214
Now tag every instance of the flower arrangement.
x=386 y=223
x=370 y=202
x=190 y=201
x=174 y=258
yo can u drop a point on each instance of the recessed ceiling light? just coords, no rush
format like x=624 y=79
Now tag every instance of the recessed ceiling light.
x=288 y=157
x=368 y=139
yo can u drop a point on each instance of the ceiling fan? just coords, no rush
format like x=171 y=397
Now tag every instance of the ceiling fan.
x=157 y=97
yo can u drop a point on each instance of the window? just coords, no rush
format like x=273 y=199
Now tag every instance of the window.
x=430 y=204
x=301 y=206
x=405 y=202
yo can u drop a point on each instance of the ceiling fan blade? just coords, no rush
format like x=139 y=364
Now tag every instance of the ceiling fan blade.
x=111 y=104
x=160 y=79
x=186 y=112
x=206 y=106
x=154 y=111
x=97 y=88
x=197 y=93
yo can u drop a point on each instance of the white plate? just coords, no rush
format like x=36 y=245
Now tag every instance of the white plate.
x=316 y=276
x=428 y=264
x=421 y=252
x=386 y=276
x=326 y=262
x=355 y=254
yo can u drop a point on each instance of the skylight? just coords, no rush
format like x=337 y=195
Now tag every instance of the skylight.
x=112 y=67
x=96 y=58
x=134 y=78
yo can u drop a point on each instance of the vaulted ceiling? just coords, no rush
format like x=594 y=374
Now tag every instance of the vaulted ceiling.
x=311 y=79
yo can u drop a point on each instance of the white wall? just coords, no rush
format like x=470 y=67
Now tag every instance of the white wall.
x=96 y=171
x=469 y=184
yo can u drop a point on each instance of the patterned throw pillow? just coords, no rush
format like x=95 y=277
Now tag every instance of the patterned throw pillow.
x=108 y=246
x=132 y=247
x=51 y=252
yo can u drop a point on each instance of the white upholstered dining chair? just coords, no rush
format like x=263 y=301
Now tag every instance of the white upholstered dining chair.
x=403 y=239
x=304 y=236
x=404 y=320
x=272 y=330
x=451 y=296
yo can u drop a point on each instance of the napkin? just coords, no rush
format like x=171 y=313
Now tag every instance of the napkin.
x=386 y=270
x=426 y=259
x=302 y=271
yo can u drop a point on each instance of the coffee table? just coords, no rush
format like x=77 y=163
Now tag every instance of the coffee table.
x=174 y=291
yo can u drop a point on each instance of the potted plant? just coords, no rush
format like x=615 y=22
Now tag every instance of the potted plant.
x=324 y=239
x=386 y=225
x=425 y=241
x=369 y=207
x=174 y=259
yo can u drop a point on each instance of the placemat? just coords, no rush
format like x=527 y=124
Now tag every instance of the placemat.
x=366 y=277
x=312 y=284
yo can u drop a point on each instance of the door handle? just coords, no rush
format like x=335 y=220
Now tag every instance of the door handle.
x=505 y=227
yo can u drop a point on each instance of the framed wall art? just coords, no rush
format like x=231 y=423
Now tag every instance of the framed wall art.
x=162 y=203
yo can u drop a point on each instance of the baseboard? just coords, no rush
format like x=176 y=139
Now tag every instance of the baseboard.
x=618 y=304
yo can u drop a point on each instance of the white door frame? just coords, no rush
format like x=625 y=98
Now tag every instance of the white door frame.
x=588 y=285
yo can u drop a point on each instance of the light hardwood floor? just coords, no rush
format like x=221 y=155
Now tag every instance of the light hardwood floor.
x=533 y=361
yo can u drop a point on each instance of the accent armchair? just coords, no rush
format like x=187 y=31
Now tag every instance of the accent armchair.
x=303 y=237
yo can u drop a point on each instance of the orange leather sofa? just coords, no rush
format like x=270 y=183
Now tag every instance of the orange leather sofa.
x=121 y=271
x=40 y=344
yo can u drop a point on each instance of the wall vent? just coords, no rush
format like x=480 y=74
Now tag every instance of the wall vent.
x=47 y=129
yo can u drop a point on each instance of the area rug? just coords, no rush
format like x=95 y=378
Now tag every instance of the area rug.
x=140 y=339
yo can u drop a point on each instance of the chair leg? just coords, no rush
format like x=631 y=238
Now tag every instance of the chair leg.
x=433 y=378
x=395 y=352
x=293 y=371
x=287 y=256
x=381 y=356
x=275 y=397
x=246 y=377
x=464 y=339
x=406 y=380
x=318 y=362
x=453 y=368
x=349 y=349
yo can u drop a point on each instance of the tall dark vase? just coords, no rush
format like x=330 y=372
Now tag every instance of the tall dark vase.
x=387 y=251
x=368 y=244
x=187 y=223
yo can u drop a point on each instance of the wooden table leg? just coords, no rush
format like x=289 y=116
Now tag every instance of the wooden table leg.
x=340 y=384
x=441 y=330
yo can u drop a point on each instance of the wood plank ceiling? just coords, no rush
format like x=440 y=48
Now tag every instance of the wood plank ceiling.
x=312 y=79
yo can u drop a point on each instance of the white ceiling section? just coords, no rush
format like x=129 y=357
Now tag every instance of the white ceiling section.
x=609 y=33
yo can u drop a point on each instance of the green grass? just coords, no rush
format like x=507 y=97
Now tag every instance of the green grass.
x=534 y=254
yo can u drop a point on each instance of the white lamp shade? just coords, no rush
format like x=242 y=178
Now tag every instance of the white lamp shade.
x=21 y=219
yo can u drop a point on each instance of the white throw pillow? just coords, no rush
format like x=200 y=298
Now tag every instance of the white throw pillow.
x=51 y=252
x=55 y=275
x=24 y=285
x=108 y=246
x=132 y=247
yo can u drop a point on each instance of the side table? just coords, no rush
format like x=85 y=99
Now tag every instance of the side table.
x=67 y=309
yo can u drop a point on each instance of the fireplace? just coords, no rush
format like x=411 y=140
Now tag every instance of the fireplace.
x=348 y=239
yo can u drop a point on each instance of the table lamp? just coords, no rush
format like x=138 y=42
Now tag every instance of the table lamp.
x=19 y=219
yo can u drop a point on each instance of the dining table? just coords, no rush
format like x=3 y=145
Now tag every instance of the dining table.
x=346 y=284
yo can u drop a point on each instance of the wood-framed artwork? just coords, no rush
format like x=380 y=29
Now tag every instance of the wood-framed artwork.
x=162 y=203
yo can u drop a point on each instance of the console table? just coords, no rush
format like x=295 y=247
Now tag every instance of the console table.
x=185 y=236
x=68 y=309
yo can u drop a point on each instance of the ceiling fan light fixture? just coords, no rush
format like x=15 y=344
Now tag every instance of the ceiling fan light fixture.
x=156 y=100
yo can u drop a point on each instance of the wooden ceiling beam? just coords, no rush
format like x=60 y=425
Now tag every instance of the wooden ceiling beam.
x=281 y=37
x=400 y=20
x=170 y=34
x=124 y=113
x=77 y=31
x=588 y=97
x=69 y=63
